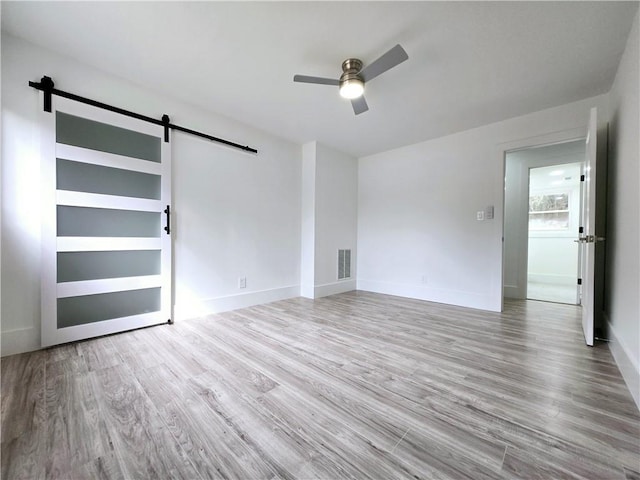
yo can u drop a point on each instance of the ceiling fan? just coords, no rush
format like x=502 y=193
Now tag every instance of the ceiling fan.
x=354 y=77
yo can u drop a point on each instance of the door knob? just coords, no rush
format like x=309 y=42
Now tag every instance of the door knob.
x=590 y=239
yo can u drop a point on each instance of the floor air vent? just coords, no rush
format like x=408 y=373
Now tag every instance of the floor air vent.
x=344 y=264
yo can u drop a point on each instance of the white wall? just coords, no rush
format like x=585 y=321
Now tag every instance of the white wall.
x=417 y=230
x=516 y=230
x=336 y=218
x=553 y=260
x=236 y=214
x=330 y=195
x=308 y=237
x=622 y=290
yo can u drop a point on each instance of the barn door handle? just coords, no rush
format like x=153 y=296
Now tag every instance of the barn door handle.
x=168 y=227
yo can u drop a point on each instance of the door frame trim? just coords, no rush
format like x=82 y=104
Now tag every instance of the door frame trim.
x=502 y=149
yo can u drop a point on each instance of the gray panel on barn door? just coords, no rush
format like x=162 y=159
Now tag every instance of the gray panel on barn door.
x=82 y=132
x=85 y=309
x=106 y=222
x=78 y=266
x=85 y=177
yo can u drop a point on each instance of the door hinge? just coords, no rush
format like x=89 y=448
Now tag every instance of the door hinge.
x=579 y=281
x=582 y=178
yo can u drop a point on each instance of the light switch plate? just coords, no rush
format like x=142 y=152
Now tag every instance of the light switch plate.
x=488 y=212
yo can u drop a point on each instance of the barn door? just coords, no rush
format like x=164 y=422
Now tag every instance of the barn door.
x=106 y=196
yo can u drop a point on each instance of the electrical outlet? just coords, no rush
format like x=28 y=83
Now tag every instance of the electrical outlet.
x=242 y=282
x=480 y=215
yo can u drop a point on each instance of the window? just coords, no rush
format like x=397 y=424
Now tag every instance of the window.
x=549 y=212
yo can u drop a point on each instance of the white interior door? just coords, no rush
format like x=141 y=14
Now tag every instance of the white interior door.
x=106 y=251
x=588 y=238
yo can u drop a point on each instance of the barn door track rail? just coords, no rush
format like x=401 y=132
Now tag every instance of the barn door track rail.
x=47 y=86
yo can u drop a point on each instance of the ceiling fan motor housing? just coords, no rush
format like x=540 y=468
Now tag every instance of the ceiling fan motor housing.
x=351 y=83
x=351 y=68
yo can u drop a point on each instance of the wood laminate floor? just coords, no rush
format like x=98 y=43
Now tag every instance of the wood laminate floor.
x=552 y=292
x=352 y=386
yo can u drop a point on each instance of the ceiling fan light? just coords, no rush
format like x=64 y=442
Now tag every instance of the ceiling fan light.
x=351 y=88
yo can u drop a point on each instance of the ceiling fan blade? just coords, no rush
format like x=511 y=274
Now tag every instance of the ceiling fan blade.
x=393 y=57
x=318 y=80
x=359 y=105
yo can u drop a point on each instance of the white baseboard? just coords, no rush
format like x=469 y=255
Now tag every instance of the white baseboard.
x=430 y=294
x=629 y=368
x=20 y=341
x=334 y=288
x=552 y=279
x=199 y=308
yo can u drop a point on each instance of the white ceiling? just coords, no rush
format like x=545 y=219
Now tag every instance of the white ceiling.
x=470 y=63
x=555 y=176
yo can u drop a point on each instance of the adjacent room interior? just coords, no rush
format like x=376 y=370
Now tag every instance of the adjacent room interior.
x=554 y=211
x=320 y=240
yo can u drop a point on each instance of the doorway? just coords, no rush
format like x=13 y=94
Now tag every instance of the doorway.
x=541 y=219
x=554 y=214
